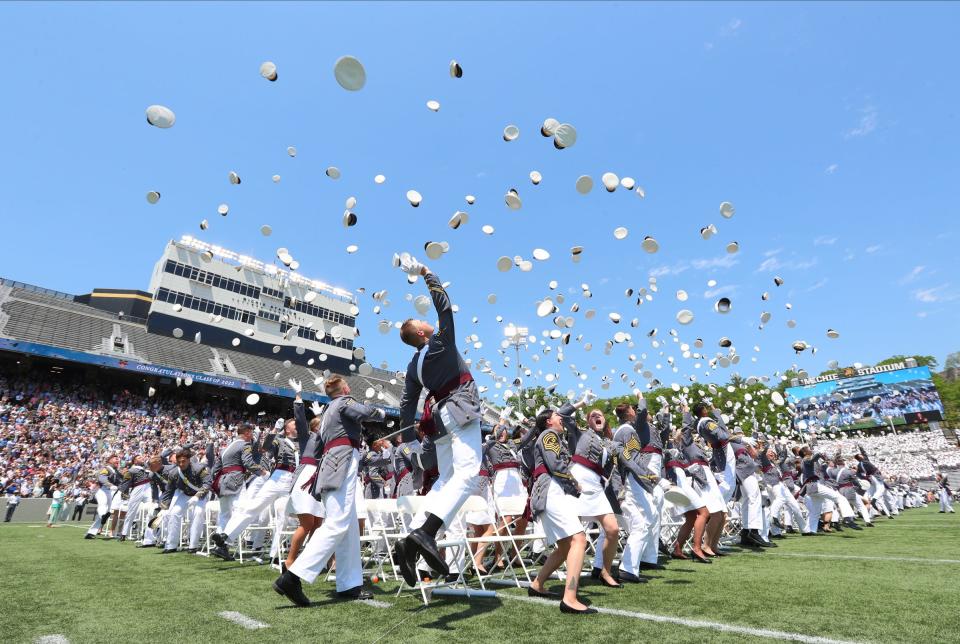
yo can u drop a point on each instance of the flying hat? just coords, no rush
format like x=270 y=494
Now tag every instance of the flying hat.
x=727 y=209
x=350 y=73
x=433 y=106
x=160 y=116
x=456 y=71
x=269 y=71
x=511 y=132
x=153 y=197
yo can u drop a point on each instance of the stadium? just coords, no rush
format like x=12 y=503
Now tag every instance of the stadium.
x=478 y=322
x=129 y=358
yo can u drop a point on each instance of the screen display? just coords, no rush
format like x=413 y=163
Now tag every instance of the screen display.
x=863 y=402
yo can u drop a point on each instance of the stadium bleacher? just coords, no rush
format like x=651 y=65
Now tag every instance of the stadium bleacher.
x=32 y=314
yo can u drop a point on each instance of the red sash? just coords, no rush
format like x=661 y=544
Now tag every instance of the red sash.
x=427 y=424
x=587 y=463
x=506 y=465
x=215 y=486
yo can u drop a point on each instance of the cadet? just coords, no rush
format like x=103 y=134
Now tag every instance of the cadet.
x=134 y=485
x=451 y=415
x=191 y=489
x=336 y=484
x=107 y=477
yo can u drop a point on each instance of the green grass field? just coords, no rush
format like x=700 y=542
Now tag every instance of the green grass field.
x=903 y=588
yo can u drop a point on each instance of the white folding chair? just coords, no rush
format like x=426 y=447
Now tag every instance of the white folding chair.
x=210 y=524
x=380 y=533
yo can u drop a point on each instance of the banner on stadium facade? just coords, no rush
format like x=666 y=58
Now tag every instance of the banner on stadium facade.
x=113 y=362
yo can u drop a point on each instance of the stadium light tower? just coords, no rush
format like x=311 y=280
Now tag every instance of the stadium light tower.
x=516 y=336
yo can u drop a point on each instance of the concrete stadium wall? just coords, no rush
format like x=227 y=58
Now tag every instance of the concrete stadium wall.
x=35 y=511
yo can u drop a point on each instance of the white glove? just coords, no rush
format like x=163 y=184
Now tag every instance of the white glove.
x=277 y=426
x=316 y=408
x=407 y=263
x=296 y=385
x=664 y=484
x=193 y=500
x=588 y=398
x=505 y=414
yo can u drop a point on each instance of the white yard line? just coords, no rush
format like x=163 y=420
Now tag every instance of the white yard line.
x=696 y=623
x=863 y=557
x=242 y=620
x=52 y=639
x=376 y=603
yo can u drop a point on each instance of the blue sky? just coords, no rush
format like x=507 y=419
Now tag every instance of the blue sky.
x=831 y=127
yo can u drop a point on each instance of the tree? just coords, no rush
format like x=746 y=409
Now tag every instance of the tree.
x=952 y=361
x=922 y=361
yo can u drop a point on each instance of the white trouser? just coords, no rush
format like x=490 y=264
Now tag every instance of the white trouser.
x=279 y=524
x=226 y=510
x=339 y=535
x=945 y=505
x=138 y=496
x=751 y=504
x=638 y=509
x=817 y=495
x=860 y=506
x=891 y=501
x=180 y=507
x=780 y=498
x=877 y=488
x=727 y=479
x=102 y=497
x=250 y=508
x=458 y=460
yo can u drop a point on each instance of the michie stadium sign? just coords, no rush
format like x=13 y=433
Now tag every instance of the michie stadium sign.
x=850 y=372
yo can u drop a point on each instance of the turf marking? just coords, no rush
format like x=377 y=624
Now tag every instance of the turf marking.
x=242 y=620
x=52 y=639
x=696 y=623
x=375 y=603
x=864 y=557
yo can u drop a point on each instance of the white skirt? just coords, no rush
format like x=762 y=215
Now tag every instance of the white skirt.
x=509 y=483
x=711 y=495
x=481 y=517
x=593 y=501
x=301 y=500
x=686 y=484
x=561 y=518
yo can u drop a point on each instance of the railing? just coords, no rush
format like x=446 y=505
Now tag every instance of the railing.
x=36 y=289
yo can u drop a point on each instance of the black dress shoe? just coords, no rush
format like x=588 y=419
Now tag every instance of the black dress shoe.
x=809 y=534
x=288 y=585
x=699 y=559
x=427 y=546
x=406 y=561
x=791 y=530
x=168 y=551
x=649 y=566
x=145 y=545
x=768 y=544
x=122 y=538
x=223 y=552
x=564 y=608
x=191 y=551
x=630 y=578
x=542 y=595
x=595 y=573
x=219 y=539
x=662 y=548
x=357 y=592
x=869 y=525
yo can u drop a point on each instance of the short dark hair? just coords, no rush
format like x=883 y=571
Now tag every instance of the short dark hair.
x=622 y=412
x=700 y=409
x=185 y=452
x=244 y=428
x=542 y=418
x=408 y=333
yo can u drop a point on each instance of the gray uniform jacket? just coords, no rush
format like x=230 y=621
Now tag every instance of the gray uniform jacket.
x=283 y=452
x=239 y=453
x=501 y=455
x=403 y=469
x=163 y=484
x=108 y=476
x=771 y=473
x=375 y=470
x=588 y=448
x=551 y=462
x=440 y=368
x=744 y=464
x=809 y=467
x=340 y=433
x=691 y=453
x=630 y=459
x=424 y=458
x=847 y=484
x=714 y=431
x=196 y=480
x=135 y=476
x=306 y=440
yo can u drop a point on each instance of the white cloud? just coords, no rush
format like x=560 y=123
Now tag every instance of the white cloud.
x=772 y=252
x=833 y=167
x=818 y=285
x=773 y=263
x=727 y=289
x=824 y=240
x=874 y=248
x=869 y=119
x=921 y=314
x=912 y=275
x=676 y=269
x=934 y=295
x=723 y=261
